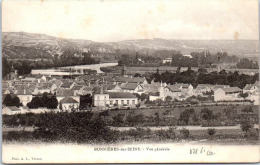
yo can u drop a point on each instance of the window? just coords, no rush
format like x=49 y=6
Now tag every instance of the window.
x=116 y=101
x=128 y=101
x=105 y=98
x=122 y=102
x=111 y=102
x=133 y=101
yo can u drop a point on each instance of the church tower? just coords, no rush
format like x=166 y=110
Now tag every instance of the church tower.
x=161 y=91
x=13 y=74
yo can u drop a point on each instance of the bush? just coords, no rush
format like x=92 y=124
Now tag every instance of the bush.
x=253 y=134
x=166 y=134
x=185 y=133
x=211 y=131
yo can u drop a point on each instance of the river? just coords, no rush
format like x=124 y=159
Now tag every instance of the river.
x=66 y=70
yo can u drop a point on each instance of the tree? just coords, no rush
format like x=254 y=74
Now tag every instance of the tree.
x=185 y=133
x=118 y=120
x=104 y=114
x=157 y=118
x=207 y=115
x=243 y=95
x=247 y=109
x=52 y=102
x=137 y=75
x=35 y=103
x=144 y=97
x=7 y=100
x=168 y=99
x=6 y=68
x=211 y=131
x=85 y=101
x=245 y=126
x=11 y=101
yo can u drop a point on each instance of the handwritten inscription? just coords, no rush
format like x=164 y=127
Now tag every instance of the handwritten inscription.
x=202 y=150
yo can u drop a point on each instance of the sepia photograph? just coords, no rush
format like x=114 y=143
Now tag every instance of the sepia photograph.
x=124 y=81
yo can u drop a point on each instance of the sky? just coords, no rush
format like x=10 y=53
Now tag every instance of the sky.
x=117 y=20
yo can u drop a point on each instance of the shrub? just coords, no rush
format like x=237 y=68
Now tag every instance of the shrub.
x=245 y=126
x=166 y=134
x=185 y=133
x=211 y=131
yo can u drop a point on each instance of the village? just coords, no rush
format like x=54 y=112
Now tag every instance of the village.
x=107 y=91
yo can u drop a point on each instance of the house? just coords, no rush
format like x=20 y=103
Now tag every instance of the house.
x=12 y=110
x=227 y=94
x=62 y=93
x=25 y=96
x=167 y=60
x=67 y=85
x=68 y=104
x=121 y=99
x=250 y=88
x=253 y=92
x=24 y=109
x=112 y=88
x=125 y=80
x=215 y=87
x=40 y=110
x=77 y=89
x=114 y=98
x=202 y=88
x=132 y=88
x=87 y=90
x=101 y=99
x=254 y=96
x=173 y=91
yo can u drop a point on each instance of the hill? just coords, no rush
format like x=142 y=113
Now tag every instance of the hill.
x=21 y=45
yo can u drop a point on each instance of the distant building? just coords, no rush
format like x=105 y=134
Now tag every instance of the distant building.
x=187 y=55
x=25 y=96
x=68 y=104
x=132 y=88
x=10 y=110
x=167 y=60
x=227 y=94
x=114 y=98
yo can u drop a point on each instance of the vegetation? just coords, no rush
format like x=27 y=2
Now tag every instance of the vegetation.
x=46 y=100
x=247 y=64
x=191 y=77
x=89 y=127
x=67 y=58
x=11 y=101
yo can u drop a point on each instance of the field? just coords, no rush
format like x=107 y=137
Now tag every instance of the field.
x=175 y=111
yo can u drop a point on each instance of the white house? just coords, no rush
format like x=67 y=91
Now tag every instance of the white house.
x=227 y=94
x=68 y=103
x=121 y=99
x=101 y=99
x=253 y=92
x=173 y=91
x=250 y=88
x=114 y=98
x=132 y=88
x=10 y=110
x=25 y=96
x=167 y=60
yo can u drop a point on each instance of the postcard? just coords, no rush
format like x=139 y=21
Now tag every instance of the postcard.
x=123 y=81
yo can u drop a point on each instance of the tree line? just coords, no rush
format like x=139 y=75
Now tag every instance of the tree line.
x=234 y=79
x=67 y=58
